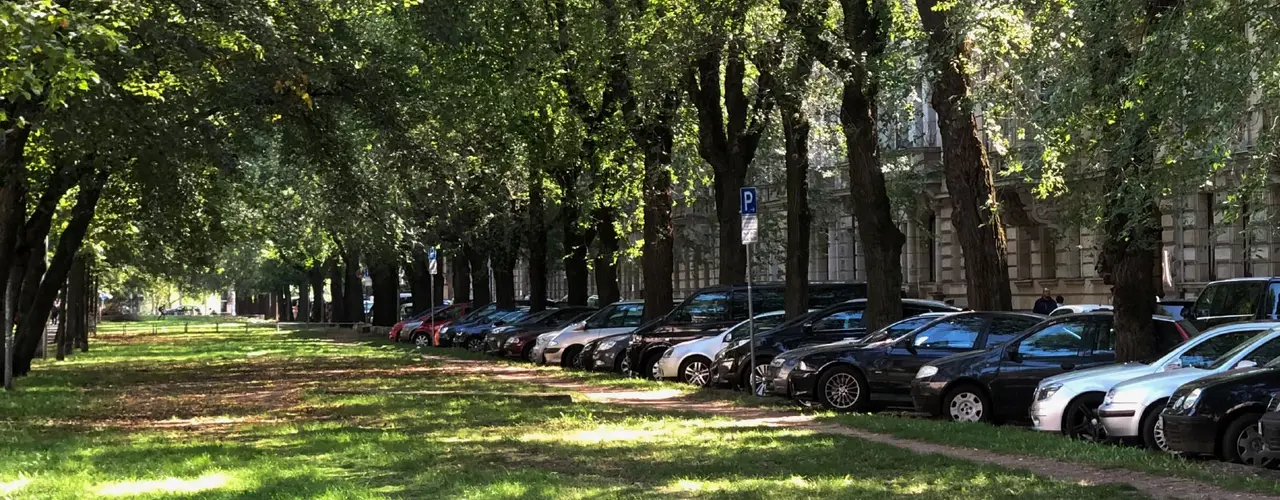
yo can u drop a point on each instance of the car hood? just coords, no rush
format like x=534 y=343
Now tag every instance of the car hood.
x=1160 y=383
x=838 y=346
x=1109 y=373
x=1236 y=376
x=705 y=344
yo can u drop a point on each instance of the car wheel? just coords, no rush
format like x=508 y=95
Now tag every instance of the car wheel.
x=570 y=357
x=527 y=354
x=649 y=367
x=966 y=404
x=1152 y=428
x=843 y=389
x=1241 y=441
x=475 y=344
x=421 y=340
x=696 y=371
x=1080 y=421
x=752 y=381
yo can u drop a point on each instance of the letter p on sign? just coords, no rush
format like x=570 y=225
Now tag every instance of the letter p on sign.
x=748 y=198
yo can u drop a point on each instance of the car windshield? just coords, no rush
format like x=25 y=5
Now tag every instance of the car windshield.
x=536 y=317
x=1243 y=346
x=616 y=316
x=900 y=328
x=1208 y=351
x=1230 y=298
x=764 y=322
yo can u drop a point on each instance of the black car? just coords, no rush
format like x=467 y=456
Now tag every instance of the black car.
x=472 y=335
x=850 y=376
x=712 y=310
x=495 y=342
x=1218 y=415
x=1238 y=299
x=606 y=354
x=833 y=324
x=475 y=316
x=1269 y=434
x=999 y=382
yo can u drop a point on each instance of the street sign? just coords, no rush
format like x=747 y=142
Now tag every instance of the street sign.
x=750 y=229
x=747 y=197
x=431 y=260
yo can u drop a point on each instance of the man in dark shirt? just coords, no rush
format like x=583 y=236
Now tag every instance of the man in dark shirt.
x=1045 y=304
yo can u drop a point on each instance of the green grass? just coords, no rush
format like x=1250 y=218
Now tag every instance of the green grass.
x=268 y=414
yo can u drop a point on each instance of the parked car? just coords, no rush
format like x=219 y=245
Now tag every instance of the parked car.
x=538 y=355
x=1174 y=307
x=999 y=382
x=711 y=311
x=1132 y=408
x=1078 y=308
x=1239 y=299
x=1069 y=403
x=1218 y=414
x=833 y=324
x=428 y=330
x=472 y=335
x=410 y=323
x=690 y=362
x=444 y=334
x=613 y=319
x=1269 y=429
x=606 y=354
x=850 y=376
x=517 y=340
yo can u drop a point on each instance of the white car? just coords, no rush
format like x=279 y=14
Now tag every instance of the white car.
x=613 y=319
x=690 y=362
x=1078 y=308
x=1067 y=403
x=1132 y=408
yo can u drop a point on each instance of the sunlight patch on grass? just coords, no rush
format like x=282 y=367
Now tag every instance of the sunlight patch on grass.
x=169 y=485
x=11 y=487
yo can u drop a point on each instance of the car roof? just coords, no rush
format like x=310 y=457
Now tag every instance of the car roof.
x=1244 y=279
x=917 y=302
x=1109 y=313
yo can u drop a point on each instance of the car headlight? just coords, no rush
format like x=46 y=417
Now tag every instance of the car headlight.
x=1047 y=391
x=671 y=351
x=778 y=361
x=1110 y=397
x=604 y=346
x=512 y=341
x=552 y=343
x=444 y=330
x=501 y=329
x=926 y=371
x=1192 y=398
x=805 y=367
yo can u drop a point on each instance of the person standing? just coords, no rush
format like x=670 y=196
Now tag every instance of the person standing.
x=1045 y=304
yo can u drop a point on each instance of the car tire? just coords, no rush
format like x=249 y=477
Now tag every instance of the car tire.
x=967 y=403
x=695 y=370
x=1241 y=434
x=744 y=377
x=475 y=344
x=421 y=340
x=621 y=364
x=649 y=367
x=1080 y=421
x=527 y=353
x=1151 y=429
x=843 y=389
x=569 y=359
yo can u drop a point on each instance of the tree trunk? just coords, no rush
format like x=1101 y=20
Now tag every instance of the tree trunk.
x=537 y=237
x=269 y=309
x=419 y=276
x=13 y=191
x=606 y=259
x=386 y=292
x=968 y=174
x=337 y=302
x=77 y=290
x=315 y=275
x=795 y=129
x=479 y=277
x=461 y=268
x=354 y=287
x=304 y=302
x=576 y=273
x=33 y=322
x=284 y=303
x=60 y=334
x=504 y=280
x=881 y=239
x=657 y=139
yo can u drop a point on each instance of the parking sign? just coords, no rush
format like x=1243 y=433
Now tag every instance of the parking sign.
x=748 y=198
x=431 y=260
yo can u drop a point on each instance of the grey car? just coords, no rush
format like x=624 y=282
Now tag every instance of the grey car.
x=613 y=319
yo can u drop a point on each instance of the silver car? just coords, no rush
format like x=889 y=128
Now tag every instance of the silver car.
x=690 y=362
x=1067 y=403
x=1132 y=408
x=613 y=319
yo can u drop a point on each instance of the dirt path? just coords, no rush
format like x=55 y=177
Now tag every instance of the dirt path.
x=1161 y=487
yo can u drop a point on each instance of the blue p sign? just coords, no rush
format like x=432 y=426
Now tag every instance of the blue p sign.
x=748 y=200
x=431 y=253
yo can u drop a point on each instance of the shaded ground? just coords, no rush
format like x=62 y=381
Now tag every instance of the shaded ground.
x=295 y=415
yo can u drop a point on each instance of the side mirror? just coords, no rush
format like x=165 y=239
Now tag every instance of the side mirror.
x=1244 y=363
x=1012 y=352
x=908 y=344
x=1173 y=365
x=808 y=327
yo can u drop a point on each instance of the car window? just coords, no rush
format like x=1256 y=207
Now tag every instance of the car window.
x=706 y=307
x=900 y=328
x=843 y=320
x=1265 y=352
x=616 y=316
x=1229 y=298
x=1061 y=311
x=563 y=315
x=762 y=323
x=832 y=294
x=1104 y=338
x=955 y=333
x=1204 y=353
x=1168 y=336
x=768 y=299
x=738 y=306
x=1056 y=340
x=1005 y=328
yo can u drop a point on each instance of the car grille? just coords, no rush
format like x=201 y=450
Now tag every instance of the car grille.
x=1271 y=434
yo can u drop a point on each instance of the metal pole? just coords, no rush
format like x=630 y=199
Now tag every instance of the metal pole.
x=751 y=326
x=431 y=293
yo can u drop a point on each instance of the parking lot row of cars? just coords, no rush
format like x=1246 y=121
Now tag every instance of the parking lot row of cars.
x=1209 y=391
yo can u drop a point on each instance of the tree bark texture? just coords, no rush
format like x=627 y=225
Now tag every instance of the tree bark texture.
x=315 y=276
x=304 y=302
x=728 y=146
x=284 y=303
x=537 y=237
x=31 y=329
x=606 y=262
x=337 y=302
x=577 y=274
x=386 y=292
x=419 y=277
x=60 y=334
x=657 y=139
x=795 y=130
x=968 y=174
x=353 y=293
x=480 y=296
x=437 y=282
x=13 y=191
x=460 y=266
x=76 y=292
x=882 y=241
x=504 y=279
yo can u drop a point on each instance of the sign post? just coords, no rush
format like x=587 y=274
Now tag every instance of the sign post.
x=431 y=290
x=750 y=234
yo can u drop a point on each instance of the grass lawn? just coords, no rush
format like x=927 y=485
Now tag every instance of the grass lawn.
x=269 y=414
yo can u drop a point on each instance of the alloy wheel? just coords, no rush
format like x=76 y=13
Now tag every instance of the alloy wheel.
x=966 y=407
x=1249 y=446
x=1085 y=425
x=842 y=390
x=421 y=341
x=626 y=365
x=697 y=373
x=475 y=344
x=757 y=379
x=1158 y=434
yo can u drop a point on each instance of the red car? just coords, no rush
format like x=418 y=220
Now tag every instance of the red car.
x=411 y=322
x=424 y=333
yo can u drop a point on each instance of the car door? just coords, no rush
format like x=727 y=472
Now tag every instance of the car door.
x=893 y=375
x=623 y=319
x=1049 y=350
